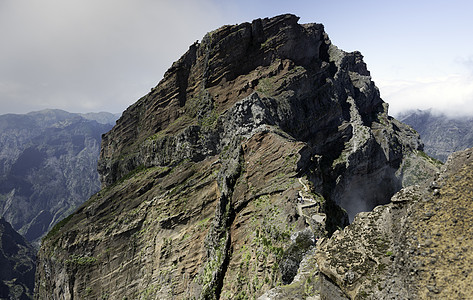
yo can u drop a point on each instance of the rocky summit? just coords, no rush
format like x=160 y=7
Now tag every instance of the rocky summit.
x=259 y=142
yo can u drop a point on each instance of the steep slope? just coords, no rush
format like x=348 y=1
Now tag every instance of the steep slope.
x=47 y=168
x=219 y=181
x=417 y=247
x=17 y=261
x=441 y=134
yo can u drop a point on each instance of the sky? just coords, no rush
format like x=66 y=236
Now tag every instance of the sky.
x=103 y=55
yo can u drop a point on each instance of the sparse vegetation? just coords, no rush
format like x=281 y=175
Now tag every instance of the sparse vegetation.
x=266 y=43
x=266 y=87
x=57 y=227
x=80 y=260
x=430 y=159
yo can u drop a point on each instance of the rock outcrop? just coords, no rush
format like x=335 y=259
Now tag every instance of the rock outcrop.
x=441 y=134
x=416 y=247
x=218 y=183
x=18 y=265
x=48 y=166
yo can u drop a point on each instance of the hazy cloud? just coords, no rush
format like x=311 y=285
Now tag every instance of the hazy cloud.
x=89 y=55
x=452 y=95
x=92 y=55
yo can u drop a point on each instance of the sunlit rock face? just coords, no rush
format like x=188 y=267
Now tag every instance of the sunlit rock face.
x=220 y=181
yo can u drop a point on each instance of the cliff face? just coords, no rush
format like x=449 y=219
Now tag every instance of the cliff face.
x=17 y=261
x=219 y=181
x=47 y=168
x=441 y=134
x=417 y=247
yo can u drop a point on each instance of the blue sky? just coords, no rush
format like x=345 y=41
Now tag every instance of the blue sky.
x=103 y=55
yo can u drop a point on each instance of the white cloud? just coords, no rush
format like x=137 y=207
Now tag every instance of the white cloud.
x=452 y=95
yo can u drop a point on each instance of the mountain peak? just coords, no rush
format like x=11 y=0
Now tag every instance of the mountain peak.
x=218 y=182
x=270 y=57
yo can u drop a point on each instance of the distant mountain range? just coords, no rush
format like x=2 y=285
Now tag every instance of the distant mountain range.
x=48 y=166
x=442 y=135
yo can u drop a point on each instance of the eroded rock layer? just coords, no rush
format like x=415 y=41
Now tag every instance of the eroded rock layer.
x=218 y=183
x=417 y=247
